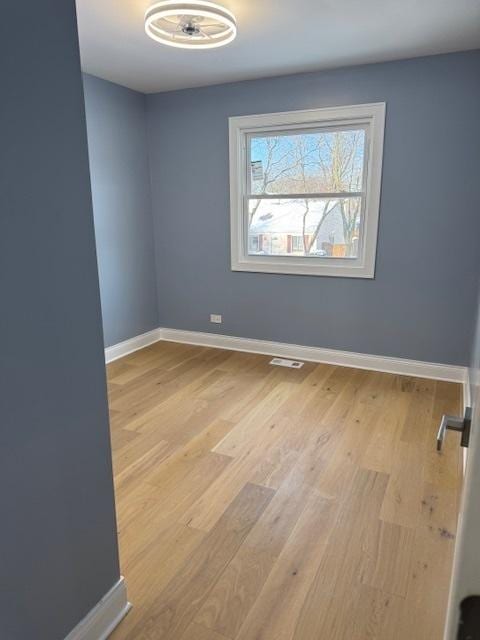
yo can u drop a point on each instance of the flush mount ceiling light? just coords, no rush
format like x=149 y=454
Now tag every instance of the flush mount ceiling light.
x=190 y=25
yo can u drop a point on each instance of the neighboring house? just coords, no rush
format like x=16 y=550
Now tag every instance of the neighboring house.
x=278 y=228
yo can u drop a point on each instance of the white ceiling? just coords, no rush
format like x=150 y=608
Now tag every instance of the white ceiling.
x=275 y=37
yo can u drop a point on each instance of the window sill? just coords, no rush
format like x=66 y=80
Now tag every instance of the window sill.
x=352 y=269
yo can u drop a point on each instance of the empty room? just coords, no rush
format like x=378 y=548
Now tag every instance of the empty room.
x=240 y=357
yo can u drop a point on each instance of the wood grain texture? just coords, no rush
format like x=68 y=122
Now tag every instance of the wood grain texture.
x=260 y=503
x=170 y=615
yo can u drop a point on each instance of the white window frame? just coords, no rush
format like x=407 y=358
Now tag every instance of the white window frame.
x=368 y=116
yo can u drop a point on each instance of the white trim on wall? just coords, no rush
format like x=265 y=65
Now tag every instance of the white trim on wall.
x=318 y=354
x=467 y=390
x=133 y=344
x=467 y=402
x=402 y=366
x=99 y=623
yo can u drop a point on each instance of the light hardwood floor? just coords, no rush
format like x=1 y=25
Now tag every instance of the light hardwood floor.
x=262 y=503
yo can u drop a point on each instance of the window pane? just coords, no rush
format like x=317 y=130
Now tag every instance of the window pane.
x=312 y=227
x=308 y=162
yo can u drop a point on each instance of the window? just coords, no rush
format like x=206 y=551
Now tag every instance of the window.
x=305 y=191
x=298 y=245
x=253 y=243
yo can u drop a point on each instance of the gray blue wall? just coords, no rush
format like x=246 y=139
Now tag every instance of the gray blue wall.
x=116 y=126
x=421 y=304
x=58 y=548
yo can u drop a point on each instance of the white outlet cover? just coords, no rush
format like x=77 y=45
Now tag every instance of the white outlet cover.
x=283 y=362
x=216 y=318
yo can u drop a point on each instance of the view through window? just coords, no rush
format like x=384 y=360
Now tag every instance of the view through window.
x=306 y=193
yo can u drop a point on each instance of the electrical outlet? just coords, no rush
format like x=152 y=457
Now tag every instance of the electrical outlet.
x=216 y=318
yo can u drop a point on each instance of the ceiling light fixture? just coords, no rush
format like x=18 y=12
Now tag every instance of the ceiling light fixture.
x=190 y=25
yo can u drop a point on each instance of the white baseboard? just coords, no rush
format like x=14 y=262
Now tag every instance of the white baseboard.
x=402 y=366
x=467 y=402
x=467 y=390
x=99 y=623
x=133 y=344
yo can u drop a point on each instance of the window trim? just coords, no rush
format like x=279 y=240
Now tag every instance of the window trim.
x=240 y=130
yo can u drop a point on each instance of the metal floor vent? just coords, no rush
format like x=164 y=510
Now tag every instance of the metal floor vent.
x=282 y=362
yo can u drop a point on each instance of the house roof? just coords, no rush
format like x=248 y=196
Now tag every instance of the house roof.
x=286 y=217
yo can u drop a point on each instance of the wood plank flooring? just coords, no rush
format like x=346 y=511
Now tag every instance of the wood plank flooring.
x=261 y=503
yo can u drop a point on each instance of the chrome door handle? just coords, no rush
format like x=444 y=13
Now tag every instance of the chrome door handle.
x=455 y=423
